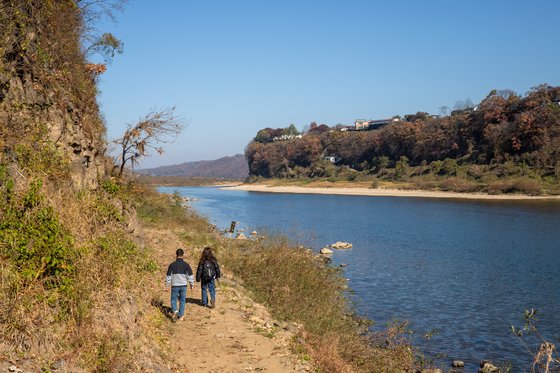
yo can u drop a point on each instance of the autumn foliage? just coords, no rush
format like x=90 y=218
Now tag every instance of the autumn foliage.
x=503 y=128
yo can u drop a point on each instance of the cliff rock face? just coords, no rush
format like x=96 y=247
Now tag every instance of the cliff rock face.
x=26 y=107
x=47 y=94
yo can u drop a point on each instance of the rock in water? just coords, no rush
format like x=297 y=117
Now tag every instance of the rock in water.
x=339 y=245
x=326 y=251
x=457 y=364
x=487 y=367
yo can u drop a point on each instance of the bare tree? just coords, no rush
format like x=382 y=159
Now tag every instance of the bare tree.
x=157 y=127
x=463 y=105
x=444 y=110
x=506 y=93
x=93 y=41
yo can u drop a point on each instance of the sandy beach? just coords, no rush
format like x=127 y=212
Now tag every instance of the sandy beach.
x=382 y=192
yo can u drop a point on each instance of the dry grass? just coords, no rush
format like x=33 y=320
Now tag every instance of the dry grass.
x=169 y=211
x=516 y=185
x=295 y=286
x=93 y=309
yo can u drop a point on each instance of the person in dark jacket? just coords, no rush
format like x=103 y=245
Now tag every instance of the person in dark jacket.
x=208 y=270
x=179 y=274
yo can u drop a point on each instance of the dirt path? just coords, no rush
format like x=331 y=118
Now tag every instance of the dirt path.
x=237 y=336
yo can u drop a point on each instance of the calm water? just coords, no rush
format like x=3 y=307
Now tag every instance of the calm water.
x=466 y=268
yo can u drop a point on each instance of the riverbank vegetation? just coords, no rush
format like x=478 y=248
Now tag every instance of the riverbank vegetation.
x=508 y=143
x=71 y=270
x=295 y=286
x=71 y=265
x=179 y=181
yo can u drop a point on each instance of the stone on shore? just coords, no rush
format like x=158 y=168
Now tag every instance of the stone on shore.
x=339 y=245
x=326 y=251
x=487 y=367
x=241 y=236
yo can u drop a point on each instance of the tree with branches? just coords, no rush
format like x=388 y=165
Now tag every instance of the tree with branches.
x=94 y=43
x=157 y=127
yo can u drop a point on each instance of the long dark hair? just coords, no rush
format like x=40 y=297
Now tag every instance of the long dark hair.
x=208 y=256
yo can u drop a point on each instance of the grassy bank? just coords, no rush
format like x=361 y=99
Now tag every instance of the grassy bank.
x=295 y=286
x=445 y=177
x=72 y=275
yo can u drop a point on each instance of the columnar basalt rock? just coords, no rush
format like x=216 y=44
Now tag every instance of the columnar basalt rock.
x=47 y=94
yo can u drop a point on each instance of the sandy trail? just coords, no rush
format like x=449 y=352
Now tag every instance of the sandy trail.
x=383 y=192
x=237 y=336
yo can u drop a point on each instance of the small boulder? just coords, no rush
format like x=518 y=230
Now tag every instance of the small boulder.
x=241 y=236
x=339 y=245
x=487 y=367
x=458 y=364
x=326 y=251
x=291 y=328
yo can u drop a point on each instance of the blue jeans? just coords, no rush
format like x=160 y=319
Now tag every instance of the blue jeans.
x=211 y=288
x=178 y=293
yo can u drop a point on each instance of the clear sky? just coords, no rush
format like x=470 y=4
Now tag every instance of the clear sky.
x=234 y=67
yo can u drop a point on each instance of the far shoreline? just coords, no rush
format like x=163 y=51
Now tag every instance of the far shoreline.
x=383 y=192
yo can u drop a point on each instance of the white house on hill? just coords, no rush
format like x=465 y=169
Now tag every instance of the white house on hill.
x=362 y=124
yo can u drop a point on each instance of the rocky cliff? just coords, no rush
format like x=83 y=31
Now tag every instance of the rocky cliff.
x=47 y=91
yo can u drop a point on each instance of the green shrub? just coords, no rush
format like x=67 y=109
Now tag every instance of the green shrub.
x=351 y=177
x=401 y=168
x=380 y=163
x=111 y=186
x=436 y=167
x=449 y=167
x=31 y=235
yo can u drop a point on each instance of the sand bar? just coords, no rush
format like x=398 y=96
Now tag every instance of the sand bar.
x=383 y=192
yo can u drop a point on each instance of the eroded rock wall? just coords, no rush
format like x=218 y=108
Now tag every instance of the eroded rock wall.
x=47 y=93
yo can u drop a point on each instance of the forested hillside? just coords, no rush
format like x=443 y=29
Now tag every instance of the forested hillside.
x=506 y=135
x=234 y=167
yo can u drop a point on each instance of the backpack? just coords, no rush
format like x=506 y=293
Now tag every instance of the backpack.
x=208 y=271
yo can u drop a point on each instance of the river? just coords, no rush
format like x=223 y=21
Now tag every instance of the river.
x=465 y=268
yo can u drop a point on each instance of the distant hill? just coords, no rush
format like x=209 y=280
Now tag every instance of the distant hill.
x=234 y=167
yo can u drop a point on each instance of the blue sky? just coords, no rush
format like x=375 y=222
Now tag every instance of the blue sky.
x=234 y=67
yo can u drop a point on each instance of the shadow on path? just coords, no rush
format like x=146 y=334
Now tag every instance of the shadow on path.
x=166 y=310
